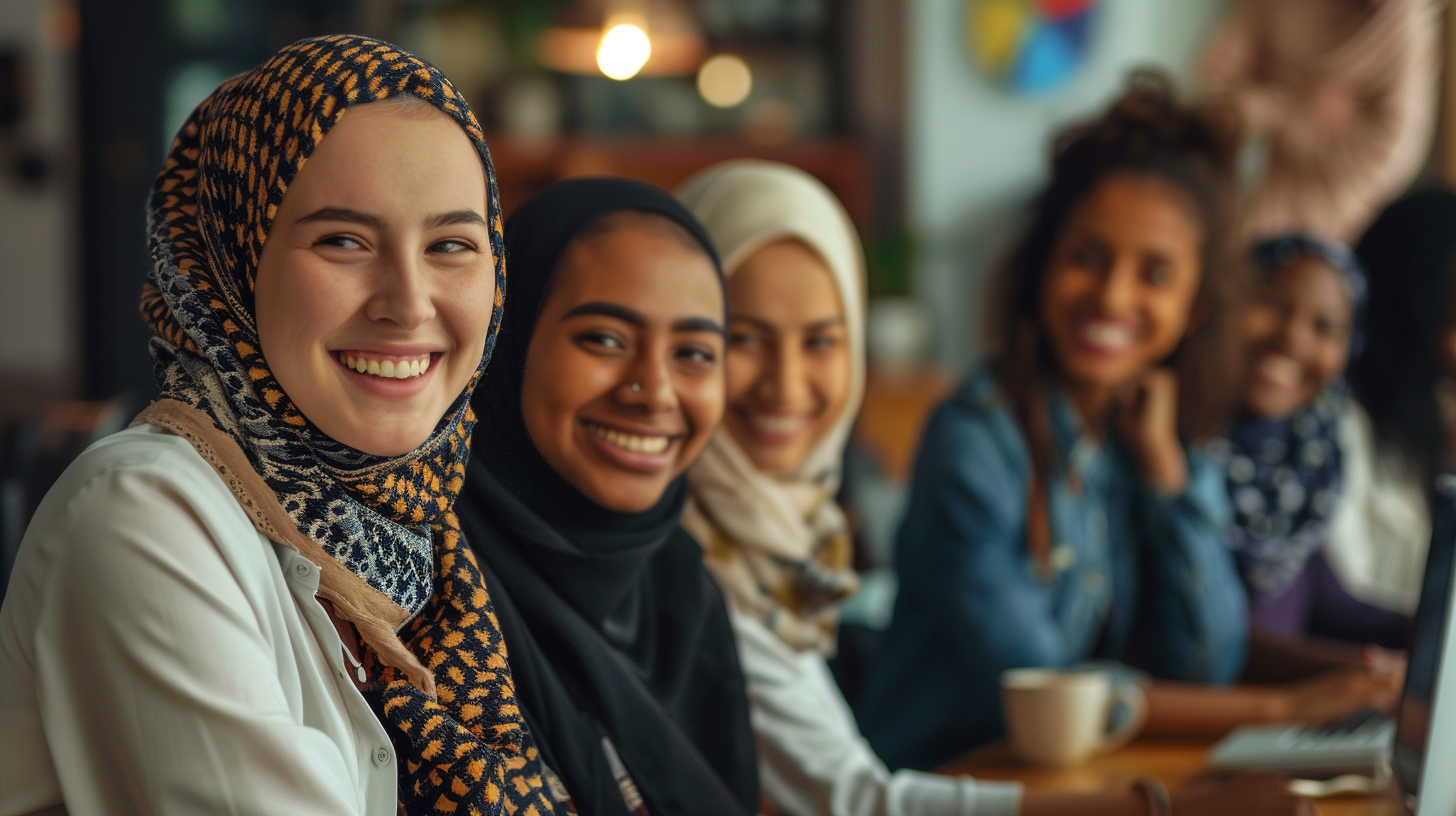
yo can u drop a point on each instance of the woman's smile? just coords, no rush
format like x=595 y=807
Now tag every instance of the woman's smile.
x=1277 y=370
x=1104 y=337
x=774 y=428
x=398 y=375
x=640 y=450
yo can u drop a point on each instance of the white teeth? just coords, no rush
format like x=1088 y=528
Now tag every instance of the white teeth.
x=389 y=369
x=631 y=442
x=1107 y=335
x=1280 y=369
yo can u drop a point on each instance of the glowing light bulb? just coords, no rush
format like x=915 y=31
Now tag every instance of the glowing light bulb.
x=624 y=50
x=725 y=81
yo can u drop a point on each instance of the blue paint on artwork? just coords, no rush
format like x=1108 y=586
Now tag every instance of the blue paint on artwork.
x=1048 y=60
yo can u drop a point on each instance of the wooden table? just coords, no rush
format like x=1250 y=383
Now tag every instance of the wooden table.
x=1173 y=761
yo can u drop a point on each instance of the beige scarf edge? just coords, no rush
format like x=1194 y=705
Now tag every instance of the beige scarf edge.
x=372 y=612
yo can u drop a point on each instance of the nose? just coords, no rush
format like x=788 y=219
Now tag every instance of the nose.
x=1292 y=335
x=784 y=385
x=1119 y=288
x=402 y=293
x=647 y=386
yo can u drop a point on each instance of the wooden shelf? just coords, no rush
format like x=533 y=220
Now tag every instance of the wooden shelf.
x=524 y=168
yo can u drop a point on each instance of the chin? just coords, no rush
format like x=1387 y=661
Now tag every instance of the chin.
x=1100 y=373
x=776 y=463
x=396 y=443
x=1270 y=408
x=635 y=500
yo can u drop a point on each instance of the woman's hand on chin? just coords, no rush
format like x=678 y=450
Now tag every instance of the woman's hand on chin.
x=1147 y=422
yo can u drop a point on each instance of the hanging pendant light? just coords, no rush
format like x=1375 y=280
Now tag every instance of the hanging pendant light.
x=622 y=39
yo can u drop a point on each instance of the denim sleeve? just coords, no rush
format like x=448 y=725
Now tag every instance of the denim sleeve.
x=1197 y=610
x=962 y=549
x=969 y=604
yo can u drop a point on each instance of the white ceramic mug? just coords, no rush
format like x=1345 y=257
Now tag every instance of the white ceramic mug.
x=1060 y=718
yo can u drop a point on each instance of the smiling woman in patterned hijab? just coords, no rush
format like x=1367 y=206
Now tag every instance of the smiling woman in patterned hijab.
x=322 y=311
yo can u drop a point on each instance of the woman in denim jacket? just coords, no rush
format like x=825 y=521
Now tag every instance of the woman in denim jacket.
x=1059 y=512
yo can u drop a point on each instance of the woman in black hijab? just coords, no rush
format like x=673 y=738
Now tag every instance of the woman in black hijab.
x=605 y=385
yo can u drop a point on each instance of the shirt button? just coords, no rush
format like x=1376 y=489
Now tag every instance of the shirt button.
x=381 y=756
x=301 y=569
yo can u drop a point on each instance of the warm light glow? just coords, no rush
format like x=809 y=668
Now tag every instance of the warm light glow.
x=624 y=50
x=725 y=81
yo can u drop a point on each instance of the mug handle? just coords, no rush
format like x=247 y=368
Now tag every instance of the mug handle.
x=1131 y=695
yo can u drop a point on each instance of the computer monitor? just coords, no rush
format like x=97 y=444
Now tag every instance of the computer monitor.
x=1425 y=741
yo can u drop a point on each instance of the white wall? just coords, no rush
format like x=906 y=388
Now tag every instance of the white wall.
x=38 y=238
x=977 y=154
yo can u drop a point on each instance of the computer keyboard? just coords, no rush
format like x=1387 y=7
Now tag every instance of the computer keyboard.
x=1358 y=743
x=1369 y=727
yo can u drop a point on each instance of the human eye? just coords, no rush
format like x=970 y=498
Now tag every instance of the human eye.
x=340 y=242
x=1158 y=273
x=1087 y=253
x=697 y=355
x=821 y=342
x=451 y=246
x=602 y=340
x=1327 y=326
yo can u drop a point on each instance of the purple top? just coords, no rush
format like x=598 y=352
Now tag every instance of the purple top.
x=1316 y=604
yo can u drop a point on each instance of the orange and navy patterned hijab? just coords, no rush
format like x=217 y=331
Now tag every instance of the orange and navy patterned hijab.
x=462 y=744
x=211 y=211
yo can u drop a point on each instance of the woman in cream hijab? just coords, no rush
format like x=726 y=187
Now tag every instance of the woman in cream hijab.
x=763 y=492
x=762 y=505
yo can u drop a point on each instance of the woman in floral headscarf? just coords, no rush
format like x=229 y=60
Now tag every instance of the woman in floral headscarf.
x=256 y=599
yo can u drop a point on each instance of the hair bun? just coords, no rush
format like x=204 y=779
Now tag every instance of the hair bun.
x=1148 y=120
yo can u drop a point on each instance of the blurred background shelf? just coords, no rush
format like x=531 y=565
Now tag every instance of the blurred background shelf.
x=522 y=168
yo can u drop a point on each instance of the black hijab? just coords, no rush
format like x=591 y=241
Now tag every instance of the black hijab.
x=618 y=637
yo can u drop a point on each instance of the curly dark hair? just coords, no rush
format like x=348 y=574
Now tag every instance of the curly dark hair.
x=1146 y=132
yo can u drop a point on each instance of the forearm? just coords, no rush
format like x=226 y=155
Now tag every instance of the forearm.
x=1274 y=659
x=1185 y=709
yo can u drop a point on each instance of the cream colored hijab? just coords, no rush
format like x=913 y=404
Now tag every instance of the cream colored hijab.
x=780 y=546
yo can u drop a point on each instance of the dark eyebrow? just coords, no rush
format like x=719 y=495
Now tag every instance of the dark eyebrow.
x=632 y=316
x=826 y=323
x=698 y=324
x=356 y=217
x=455 y=217
x=621 y=313
x=344 y=214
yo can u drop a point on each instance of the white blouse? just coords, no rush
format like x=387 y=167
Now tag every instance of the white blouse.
x=159 y=656
x=812 y=759
x=1382 y=527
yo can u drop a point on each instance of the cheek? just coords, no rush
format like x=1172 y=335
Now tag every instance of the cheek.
x=829 y=376
x=1332 y=358
x=702 y=400
x=1258 y=324
x=1062 y=289
x=1168 y=312
x=1058 y=290
x=743 y=370
x=467 y=307
x=300 y=302
x=554 y=388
